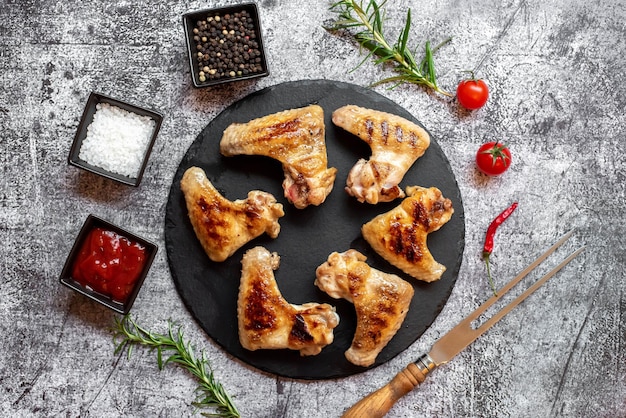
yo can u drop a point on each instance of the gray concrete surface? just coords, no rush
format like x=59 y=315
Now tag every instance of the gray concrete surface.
x=556 y=70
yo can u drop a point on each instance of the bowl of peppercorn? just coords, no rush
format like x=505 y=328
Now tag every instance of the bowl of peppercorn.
x=108 y=264
x=225 y=44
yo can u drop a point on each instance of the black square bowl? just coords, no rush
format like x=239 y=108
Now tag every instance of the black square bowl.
x=86 y=120
x=225 y=44
x=68 y=280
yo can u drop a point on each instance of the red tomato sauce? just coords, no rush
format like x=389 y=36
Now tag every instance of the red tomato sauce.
x=109 y=263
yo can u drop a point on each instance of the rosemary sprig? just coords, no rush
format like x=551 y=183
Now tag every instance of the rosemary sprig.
x=368 y=26
x=210 y=393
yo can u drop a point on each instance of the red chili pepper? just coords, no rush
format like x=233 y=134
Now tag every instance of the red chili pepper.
x=491 y=232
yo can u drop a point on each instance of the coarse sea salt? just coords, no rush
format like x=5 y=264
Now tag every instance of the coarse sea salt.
x=117 y=140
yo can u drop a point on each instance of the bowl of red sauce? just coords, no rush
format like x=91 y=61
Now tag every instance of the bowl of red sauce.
x=108 y=264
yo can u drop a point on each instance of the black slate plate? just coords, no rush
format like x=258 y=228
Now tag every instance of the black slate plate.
x=307 y=237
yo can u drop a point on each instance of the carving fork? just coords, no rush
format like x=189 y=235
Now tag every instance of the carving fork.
x=378 y=403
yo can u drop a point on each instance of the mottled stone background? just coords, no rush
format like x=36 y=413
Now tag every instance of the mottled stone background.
x=556 y=70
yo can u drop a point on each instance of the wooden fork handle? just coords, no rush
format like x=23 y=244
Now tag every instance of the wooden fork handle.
x=378 y=403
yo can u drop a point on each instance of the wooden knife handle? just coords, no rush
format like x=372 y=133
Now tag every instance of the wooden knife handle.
x=378 y=403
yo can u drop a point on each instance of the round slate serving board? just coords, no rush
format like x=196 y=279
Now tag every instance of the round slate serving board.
x=308 y=236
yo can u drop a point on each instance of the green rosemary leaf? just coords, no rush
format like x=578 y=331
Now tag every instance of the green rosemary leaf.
x=431 y=64
x=160 y=358
x=130 y=351
x=378 y=18
x=209 y=392
x=404 y=34
x=366 y=26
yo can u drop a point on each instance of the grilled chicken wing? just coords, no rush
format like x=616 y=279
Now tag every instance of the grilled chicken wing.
x=294 y=137
x=395 y=142
x=267 y=321
x=381 y=301
x=221 y=225
x=399 y=235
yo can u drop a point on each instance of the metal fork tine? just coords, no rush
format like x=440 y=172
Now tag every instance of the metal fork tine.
x=464 y=333
x=487 y=304
x=505 y=310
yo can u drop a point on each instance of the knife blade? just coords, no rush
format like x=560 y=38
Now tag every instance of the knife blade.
x=378 y=403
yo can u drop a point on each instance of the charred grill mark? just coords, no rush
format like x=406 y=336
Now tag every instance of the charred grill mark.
x=388 y=299
x=402 y=241
x=420 y=215
x=279 y=129
x=374 y=335
x=270 y=138
x=299 y=331
x=384 y=131
x=212 y=224
x=369 y=128
x=260 y=315
x=413 y=251
x=399 y=134
x=377 y=320
x=216 y=216
x=386 y=307
x=204 y=205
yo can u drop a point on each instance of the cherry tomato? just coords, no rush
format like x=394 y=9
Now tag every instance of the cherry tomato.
x=493 y=158
x=472 y=94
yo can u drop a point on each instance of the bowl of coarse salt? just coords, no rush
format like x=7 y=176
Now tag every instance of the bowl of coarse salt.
x=114 y=139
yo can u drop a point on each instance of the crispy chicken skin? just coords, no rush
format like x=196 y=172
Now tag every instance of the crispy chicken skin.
x=381 y=301
x=400 y=235
x=221 y=225
x=294 y=137
x=395 y=142
x=267 y=321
